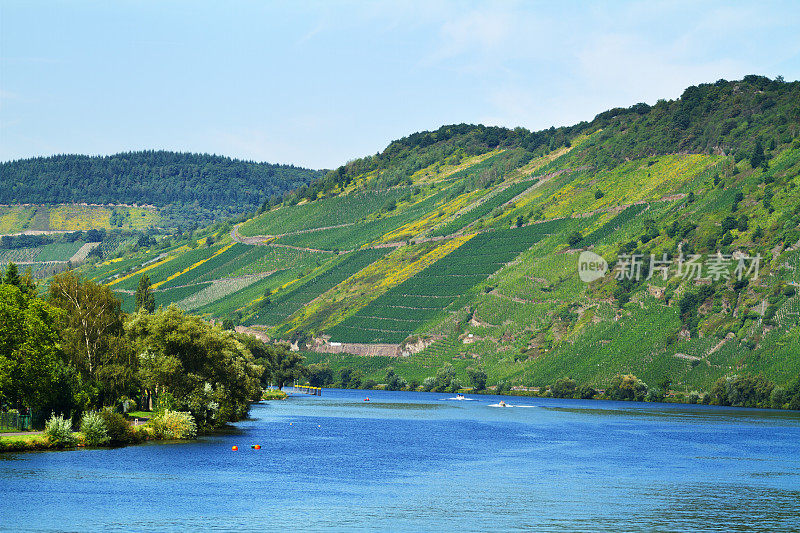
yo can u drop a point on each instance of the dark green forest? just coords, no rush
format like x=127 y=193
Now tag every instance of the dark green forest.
x=207 y=187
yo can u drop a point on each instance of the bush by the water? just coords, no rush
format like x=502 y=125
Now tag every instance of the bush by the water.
x=627 y=387
x=743 y=391
x=119 y=430
x=174 y=425
x=59 y=430
x=94 y=429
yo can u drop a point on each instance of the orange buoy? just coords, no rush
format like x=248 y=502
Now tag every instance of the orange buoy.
x=234 y=448
x=257 y=447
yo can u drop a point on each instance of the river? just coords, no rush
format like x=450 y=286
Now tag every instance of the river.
x=420 y=461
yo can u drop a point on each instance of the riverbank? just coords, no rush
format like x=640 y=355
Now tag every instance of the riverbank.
x=141 y=430
x=37 y=441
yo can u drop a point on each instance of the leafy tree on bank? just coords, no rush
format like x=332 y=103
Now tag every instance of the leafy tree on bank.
x=320 y=375
x=144 y=298
x=626 y=387
x=279 y=364
x=477 y=377
x=204 y=369
x=34 y=373
x=564 y=388
x=93 y=336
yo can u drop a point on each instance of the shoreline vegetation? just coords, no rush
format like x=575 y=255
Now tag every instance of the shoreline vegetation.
x=71 y=356
x=741 y=390
x=136 y=427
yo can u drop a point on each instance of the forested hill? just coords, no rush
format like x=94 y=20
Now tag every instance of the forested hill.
x=218 y=186
x=717 y=118
x=652 y=248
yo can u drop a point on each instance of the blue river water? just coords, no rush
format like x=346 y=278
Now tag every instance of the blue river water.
x=423 y=462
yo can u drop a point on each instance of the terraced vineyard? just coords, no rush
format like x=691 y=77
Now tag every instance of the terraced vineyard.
x=484 y=208
x=397 y=313
x=350 y=237
x=716 y=173
x=345 y=209
x=304 y=291
x=59 y=251
x=608 y=229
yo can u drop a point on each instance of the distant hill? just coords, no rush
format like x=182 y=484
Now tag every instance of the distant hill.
x=462 y=246
x=187 y=188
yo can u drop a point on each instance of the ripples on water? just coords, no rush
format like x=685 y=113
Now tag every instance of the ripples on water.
x=408 y=461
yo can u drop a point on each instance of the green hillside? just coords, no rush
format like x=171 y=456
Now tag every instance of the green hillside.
x=461 y=247
x=178 y=190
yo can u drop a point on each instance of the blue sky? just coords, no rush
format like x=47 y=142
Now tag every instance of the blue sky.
x=319 y=83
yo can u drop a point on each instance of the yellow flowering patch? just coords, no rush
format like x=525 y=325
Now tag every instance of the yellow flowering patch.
x=647 y=179
x=399 y=276
x=79 y=217
x=15 y=218
x=430 y=220
x=438 y=172
x=195 y=265
x=74 y=217
x=142 y=270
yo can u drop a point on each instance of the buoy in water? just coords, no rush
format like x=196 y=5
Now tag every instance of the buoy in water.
x=234 y=448
x=256 y=446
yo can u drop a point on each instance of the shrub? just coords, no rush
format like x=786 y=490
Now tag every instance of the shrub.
x=563 y=388
x=428 y=384
x=742 y=391
x=626 y=387
x=94 y=429
x=119 y=430
x=59 y=431
x=778 y=397
x=175 y=425
x=656 y=394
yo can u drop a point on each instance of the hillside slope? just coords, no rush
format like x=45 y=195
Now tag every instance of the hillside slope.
x=462 y=247
x=187 y=188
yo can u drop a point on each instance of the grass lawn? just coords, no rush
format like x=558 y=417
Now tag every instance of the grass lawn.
x=141 y=414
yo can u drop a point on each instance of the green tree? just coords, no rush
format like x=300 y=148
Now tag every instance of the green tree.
x=626 y=387
x=144 y=298
x=446 y=378
x=205 y=370
x=12 y=275
x=757 y=157
x=564 y=388
x=574 y=238
x=319 y=375
x=33 y=370
x=477 y=377
x=393 y=381
x=93 y=334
